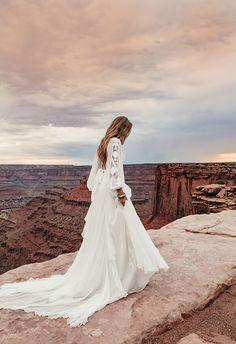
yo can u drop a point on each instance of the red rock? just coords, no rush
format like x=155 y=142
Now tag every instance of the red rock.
x=80 y=192
x=201 y=267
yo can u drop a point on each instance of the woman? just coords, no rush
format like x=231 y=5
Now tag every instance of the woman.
x=116 y=257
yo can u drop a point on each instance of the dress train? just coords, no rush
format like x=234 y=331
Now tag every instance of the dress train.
x=116 y=257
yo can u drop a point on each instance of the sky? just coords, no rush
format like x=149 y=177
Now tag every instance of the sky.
x=68 y=67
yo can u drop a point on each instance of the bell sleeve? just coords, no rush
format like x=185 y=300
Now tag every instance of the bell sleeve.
x=115 y=164
x=95 y=166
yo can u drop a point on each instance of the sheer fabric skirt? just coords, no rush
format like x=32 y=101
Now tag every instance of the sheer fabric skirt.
x=116 y=257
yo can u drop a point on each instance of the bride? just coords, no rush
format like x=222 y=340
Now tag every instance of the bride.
x=116 y=257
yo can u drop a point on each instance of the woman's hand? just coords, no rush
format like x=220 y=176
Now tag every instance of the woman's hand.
x=121 y=199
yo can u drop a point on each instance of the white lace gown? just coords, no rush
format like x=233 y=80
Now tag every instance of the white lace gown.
x=116 y=257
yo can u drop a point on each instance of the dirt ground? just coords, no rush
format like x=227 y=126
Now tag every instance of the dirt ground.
x=219 y=316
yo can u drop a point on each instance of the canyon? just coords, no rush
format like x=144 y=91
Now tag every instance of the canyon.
x=42 y=207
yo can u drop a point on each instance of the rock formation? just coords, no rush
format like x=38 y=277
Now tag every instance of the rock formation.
x=45 y=227
x=201 y=267
x=175 y=188
x=213 y=198
x=80 y=193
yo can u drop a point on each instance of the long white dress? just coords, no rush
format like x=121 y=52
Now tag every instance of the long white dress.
x=116 y=257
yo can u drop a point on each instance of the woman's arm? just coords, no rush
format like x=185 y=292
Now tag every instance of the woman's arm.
x=95 y=166
x=115 y=168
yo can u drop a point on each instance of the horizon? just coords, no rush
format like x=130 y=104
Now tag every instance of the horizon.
x=140 y=163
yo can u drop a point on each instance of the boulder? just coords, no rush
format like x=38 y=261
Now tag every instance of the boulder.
x=208 y=223
x=213 y=198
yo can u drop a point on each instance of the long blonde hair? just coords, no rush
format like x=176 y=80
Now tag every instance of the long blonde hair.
x=119 y=127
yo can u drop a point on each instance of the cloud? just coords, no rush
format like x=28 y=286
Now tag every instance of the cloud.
x=42 y=144
x=76 y=64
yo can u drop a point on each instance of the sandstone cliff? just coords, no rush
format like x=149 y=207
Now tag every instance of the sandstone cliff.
x=213 y=198
x=174 y=195
x=45 y=227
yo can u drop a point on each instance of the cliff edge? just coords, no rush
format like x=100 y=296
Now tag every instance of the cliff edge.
x=200 y=250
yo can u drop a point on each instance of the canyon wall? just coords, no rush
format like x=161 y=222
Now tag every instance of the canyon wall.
x=20 y=183
x=30 y=180
x=175 y=186
x=45 y=227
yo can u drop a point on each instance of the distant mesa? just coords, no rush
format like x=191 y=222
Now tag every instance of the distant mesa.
x=79 y=193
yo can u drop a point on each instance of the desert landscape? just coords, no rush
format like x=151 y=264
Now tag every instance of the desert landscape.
x=189 y=210
x=118 y=172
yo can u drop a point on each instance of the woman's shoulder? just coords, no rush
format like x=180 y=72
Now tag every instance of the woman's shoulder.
x=114 y=139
